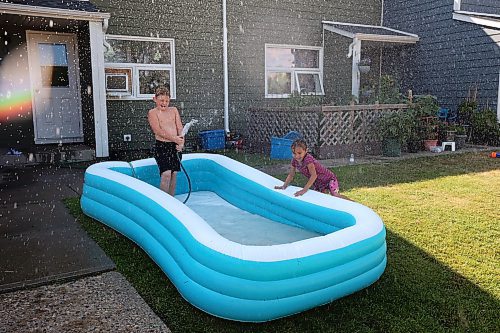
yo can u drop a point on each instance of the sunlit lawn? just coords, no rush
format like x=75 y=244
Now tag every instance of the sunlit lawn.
x=443 y=272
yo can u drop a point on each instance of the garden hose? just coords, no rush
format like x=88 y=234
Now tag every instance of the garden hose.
x=187 y=176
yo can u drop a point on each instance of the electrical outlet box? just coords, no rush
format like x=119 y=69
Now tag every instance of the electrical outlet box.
x=127 y=137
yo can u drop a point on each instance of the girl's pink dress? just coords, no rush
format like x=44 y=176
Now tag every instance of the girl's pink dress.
x=326 y=179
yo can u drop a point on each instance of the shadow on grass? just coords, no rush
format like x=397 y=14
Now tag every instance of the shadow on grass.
x=415 y=294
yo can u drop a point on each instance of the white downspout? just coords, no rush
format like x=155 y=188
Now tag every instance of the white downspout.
x=382 y=14
x=224 y=60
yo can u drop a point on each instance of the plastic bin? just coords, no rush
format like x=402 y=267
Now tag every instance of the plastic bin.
x=281 y=148
x=292 y=135
x=215 y=139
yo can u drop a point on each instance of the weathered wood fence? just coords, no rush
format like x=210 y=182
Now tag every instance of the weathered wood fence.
x=330 y=131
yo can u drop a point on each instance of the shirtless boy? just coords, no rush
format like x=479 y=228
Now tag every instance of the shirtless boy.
x=166 y=124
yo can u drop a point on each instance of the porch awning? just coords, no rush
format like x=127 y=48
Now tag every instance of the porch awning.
x=363 y=32
x=370 y=32
x=483 y=19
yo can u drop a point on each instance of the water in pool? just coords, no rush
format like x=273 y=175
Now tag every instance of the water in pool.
x=241 y=226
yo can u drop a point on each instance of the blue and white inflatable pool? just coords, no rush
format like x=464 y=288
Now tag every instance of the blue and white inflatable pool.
x=253 y=283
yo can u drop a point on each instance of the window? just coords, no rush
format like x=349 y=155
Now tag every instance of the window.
x=293 y=68
x=54 y=65
x=136 y=66
x=118 y=81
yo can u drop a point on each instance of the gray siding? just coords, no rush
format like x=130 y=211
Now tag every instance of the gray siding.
x=252 y=24
x=196 y=27
x=451 y=57
x=481 y=6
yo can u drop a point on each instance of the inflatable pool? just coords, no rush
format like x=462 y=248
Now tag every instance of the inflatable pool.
x=253 y=283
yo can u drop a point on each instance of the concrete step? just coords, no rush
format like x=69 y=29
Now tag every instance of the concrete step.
x=52 y=155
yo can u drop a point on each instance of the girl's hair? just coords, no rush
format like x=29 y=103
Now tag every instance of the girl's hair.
x=299 y=143
x=160 y=91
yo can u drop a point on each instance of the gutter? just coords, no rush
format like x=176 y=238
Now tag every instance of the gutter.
x=9 y=8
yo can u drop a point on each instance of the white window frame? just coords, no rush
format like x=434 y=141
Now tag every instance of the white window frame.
x=143 y=67
x=135 y=67
x=119 y=90
x=293 y=71
x=313 y=73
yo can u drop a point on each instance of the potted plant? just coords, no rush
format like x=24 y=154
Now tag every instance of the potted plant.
x=414 y=139
x=364 y=65
x=446 y=132
x=426 y=108
x=460 y=136
x=430 y=127
x=393 y=129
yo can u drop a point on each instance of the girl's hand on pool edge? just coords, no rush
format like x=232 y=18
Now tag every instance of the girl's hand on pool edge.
x=280 y=187
x=301 y=192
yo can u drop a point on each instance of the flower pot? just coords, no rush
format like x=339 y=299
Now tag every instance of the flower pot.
x=363 y=69
x=391 y=147
x=460 y=140
x=430 y=143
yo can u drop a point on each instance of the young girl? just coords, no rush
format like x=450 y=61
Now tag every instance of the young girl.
x=322 y=179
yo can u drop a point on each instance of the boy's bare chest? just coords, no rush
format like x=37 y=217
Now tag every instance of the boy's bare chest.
x=166 y=117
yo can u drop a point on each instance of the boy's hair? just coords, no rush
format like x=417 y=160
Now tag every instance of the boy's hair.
x=160 y=91
x=299 y=143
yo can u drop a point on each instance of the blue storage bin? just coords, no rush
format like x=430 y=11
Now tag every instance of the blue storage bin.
x=281 y=148
x=215 y=139
x=292 y=135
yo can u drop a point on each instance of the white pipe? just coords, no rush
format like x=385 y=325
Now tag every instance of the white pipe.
x=224 y=59
x=382 y=14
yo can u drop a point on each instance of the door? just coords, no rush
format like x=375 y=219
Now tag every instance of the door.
x=57 y=109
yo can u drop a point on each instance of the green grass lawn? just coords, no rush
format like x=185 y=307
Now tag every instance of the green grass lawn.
x=443 y=271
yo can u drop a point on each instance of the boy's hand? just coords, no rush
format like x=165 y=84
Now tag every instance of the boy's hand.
x=301 y=192
x=282 y=187
x=180 y=143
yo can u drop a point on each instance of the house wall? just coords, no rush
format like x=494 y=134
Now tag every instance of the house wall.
x=481 y=6
x=451 y=56
x=16 y=114
x=253 y=24
x=196 y=28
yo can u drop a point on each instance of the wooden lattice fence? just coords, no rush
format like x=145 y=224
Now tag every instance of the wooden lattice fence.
x=330 y=131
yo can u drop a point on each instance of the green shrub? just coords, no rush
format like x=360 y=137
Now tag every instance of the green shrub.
x=297 y=100
x=389 y=91
x=465 y=111
x=395 y=125
x=485 y=127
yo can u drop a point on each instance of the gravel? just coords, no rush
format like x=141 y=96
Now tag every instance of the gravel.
x=103 y=303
